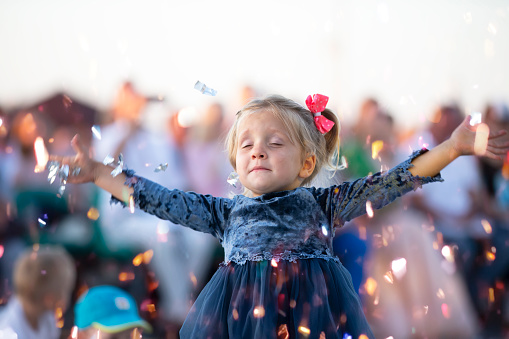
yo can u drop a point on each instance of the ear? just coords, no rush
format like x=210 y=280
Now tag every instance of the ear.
x=308 y=167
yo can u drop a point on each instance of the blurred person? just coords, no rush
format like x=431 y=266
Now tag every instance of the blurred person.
x=138 y=131
x=108 y=312
x=451 y=217
x=207 y=169
x=491 y=203
x=454 y=222
x=26 y=194
x=356 y=141
x=44 y=279
x=368 y=146
x=278 y=235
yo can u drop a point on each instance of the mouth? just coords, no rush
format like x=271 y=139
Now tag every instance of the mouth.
x=258 y=169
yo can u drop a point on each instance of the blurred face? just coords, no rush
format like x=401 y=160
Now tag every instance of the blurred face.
x=266 y=159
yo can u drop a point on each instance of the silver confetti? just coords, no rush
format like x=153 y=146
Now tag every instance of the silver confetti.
x=204 y=89
x=120 y=166
x=108 y=160
x=96 y=131
x=475 y=118
x=56 y=170
x=161 y=167
x=233 y=178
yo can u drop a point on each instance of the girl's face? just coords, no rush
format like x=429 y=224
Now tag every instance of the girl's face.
x=267 y=161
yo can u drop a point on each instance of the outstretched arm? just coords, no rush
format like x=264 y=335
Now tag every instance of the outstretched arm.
x=94 y=171
x=465 y=140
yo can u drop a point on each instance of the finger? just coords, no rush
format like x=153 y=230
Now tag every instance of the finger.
x=504 y=146
x=498 y=134
x=77 y=145
x=496 y=150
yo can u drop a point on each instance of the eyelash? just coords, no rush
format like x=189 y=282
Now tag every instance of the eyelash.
x=271 y=144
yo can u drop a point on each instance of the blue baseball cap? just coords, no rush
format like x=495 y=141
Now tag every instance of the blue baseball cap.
x=109 y=309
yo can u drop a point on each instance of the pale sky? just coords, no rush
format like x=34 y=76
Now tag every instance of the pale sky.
x=411 y=55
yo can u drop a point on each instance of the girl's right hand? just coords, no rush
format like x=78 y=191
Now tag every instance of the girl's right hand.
x=82 y=161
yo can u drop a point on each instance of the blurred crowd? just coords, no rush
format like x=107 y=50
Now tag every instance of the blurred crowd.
x=431 y=265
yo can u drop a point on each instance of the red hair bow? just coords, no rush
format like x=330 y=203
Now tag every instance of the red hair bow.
x=316 y=104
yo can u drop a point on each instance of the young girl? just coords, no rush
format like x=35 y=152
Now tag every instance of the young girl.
x=280 y=277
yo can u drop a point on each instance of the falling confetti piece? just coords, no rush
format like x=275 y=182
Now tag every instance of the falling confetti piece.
x=448 y=253
x=41 y=155
x=399 y=267
x=55 y=169
x=137 y=260
x=324 y=230
x=282 y=332
x=389 y=278
x=369 y=209
x=204 y=89
x=108 y=160
x=376 y=147
x=445 y=310
x=475 y=118
x=96 y=131
x=42 y=223
x=233 y=178
x=74 y=332
x=161 y=167
x=370 y=286
x=304 y=330
x=486 y=225
x=131 y=204
x=467 y=17
x=259 y=312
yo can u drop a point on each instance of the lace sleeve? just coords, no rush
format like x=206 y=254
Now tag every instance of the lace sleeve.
x=203 y=213
x=349 y=199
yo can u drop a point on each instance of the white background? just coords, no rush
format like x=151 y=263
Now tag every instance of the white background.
x=411 y=55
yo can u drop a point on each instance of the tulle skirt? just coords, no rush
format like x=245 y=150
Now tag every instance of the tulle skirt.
x=310 y=298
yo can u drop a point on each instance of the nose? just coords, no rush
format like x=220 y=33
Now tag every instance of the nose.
x=258 y=153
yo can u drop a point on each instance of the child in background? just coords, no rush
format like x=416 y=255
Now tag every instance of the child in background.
x=108 y=312
x=279 y=278
x=44 y=279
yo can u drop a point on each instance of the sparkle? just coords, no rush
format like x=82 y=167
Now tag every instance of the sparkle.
x=475 y=118
x=304 y=330
x=376 y=147
x=370 y=285
x=41 y=155
x=399 y=267
x=259 y=312
x=93 y=213
x=486 y=225
x=369 y=209
x=96 y=131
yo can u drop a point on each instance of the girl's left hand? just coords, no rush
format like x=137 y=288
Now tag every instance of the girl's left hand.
x=479 y=140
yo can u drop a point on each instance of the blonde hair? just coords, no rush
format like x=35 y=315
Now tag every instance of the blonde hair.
x=42 y=271
x=300 y=126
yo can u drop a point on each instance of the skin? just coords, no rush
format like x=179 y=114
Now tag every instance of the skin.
x=430 y=163
x=266 y=160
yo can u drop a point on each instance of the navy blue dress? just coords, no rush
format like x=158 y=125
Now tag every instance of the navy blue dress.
x=280 y=277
